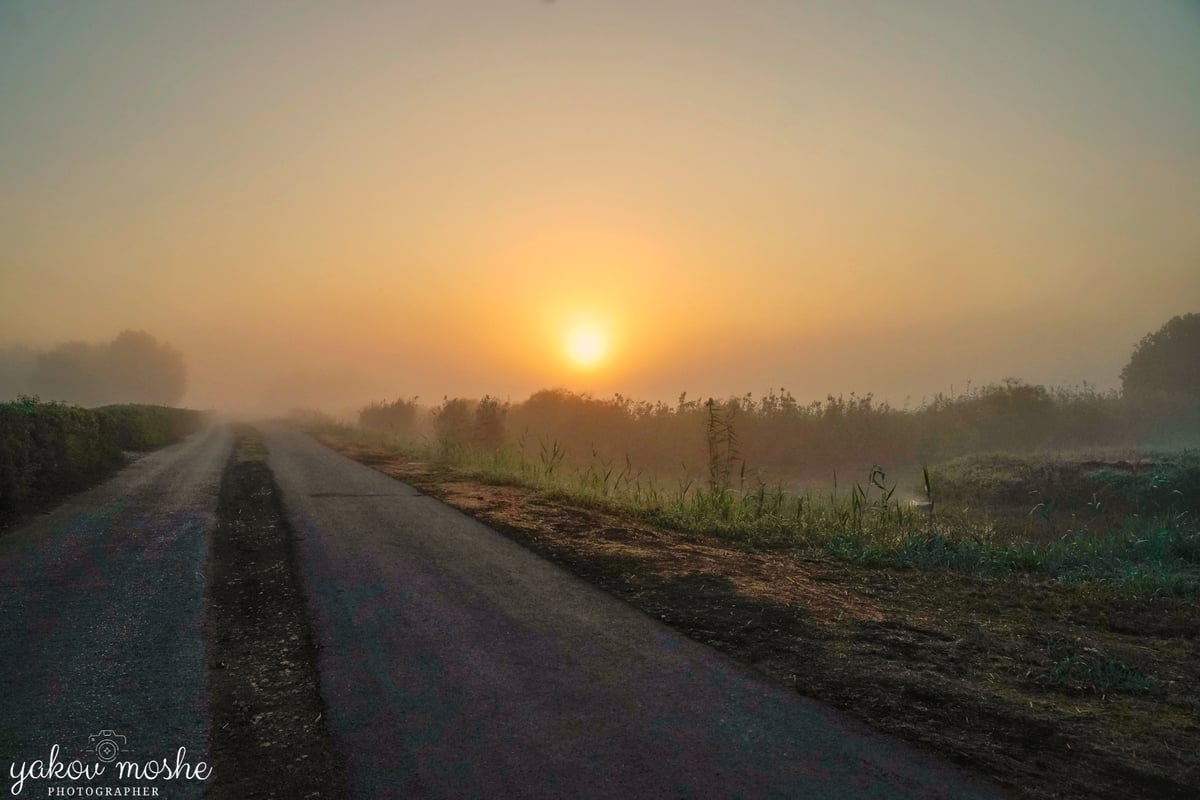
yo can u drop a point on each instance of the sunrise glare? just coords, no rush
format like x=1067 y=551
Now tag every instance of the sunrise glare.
x=586 y=345
x=361 y=201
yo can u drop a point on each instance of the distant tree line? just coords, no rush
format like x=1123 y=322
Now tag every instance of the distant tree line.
x=1159 y=406
x=133 y=368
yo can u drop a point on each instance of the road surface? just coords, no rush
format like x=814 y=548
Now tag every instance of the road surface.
x=101 y=616
x=456 y=664
x=452 y=662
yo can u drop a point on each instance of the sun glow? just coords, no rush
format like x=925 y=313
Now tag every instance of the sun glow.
x=586 y=345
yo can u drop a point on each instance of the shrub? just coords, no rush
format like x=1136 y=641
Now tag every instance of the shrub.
x=47 y=449
x=397 y=417
x=453 y=424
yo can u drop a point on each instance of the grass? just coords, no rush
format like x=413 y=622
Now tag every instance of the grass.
x=250 y=446
x=1168 y=484
x=1099 y=675
x=865 y=522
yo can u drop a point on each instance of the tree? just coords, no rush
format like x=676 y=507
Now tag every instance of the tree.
x=1166 y=361
x=16 y=364
x=142 y=369
x=70 y=373
x=133 y=368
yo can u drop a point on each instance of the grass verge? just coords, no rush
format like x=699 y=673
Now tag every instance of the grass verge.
x=1149 y=545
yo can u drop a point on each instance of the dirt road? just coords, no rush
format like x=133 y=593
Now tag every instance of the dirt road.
x=455 y=663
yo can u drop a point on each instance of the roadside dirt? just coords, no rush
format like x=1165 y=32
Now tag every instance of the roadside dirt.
x=269 y=738
x=1047 y=690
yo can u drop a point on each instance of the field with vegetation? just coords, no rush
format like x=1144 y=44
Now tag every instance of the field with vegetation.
x=50 y=449
x=1008 y=577
x=1077 y=485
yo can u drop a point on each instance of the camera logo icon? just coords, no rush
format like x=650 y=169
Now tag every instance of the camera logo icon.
x=106 y=745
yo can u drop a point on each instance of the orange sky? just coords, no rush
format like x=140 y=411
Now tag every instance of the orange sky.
x=325 y=204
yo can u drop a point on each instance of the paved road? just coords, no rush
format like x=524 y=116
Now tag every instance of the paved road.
x=457 y=664
x=101 y=615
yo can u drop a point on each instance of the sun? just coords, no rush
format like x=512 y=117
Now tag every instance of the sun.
x=586 y=345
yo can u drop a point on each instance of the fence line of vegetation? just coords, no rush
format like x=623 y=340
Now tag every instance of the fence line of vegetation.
x=795 y=440
x=47 y=449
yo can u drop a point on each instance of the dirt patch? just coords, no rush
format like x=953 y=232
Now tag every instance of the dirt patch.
x=1048 y=690
x=269 y=738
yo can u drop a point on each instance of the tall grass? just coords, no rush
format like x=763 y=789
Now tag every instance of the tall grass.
x=780 y=439
x=737 y=468
x=865 y=521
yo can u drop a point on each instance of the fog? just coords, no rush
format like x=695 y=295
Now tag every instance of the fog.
x=357 y=203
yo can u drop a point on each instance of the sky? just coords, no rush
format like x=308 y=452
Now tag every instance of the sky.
x=328 y=203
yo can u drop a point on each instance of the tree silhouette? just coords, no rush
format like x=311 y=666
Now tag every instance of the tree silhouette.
x=71 y=372
x=133 y=368
x=141 y=369
x=16 y=364
x=1166 y=361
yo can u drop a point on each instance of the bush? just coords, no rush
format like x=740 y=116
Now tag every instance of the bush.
x=488 y=432
x=147 y=427
x=47 y=449
x=452 y=424
x=1169 y=484
x=397 y=417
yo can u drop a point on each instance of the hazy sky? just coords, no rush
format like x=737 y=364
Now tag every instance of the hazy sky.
x=328 y=202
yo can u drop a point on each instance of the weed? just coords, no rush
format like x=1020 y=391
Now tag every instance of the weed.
x=1099 y=675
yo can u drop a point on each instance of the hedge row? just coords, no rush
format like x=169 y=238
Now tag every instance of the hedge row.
x=48 y=449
